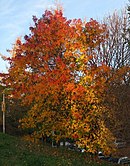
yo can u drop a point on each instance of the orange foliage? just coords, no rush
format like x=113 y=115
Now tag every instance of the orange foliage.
x=51 y=73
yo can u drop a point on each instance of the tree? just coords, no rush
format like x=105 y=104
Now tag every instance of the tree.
x=128 y=9
x=115 y=51
x=51 y=73
x=129 y=21
x=115 y=54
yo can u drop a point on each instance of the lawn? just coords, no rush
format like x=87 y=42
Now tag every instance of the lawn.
x=16 y=152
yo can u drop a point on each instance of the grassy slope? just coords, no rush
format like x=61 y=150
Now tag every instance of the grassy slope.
x=14 y=152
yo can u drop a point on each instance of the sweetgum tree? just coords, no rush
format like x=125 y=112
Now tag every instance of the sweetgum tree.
x=51 y=72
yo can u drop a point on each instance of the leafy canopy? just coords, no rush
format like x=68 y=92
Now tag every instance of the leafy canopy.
x=53 y=73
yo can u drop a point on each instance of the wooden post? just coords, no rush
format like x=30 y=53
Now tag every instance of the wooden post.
x=3 y=110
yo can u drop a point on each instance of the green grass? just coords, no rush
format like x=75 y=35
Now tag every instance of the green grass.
x=15 y=152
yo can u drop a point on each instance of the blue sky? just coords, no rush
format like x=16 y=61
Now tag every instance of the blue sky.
x=16 y=16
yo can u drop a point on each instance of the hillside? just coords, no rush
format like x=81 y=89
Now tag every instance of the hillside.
x=15 y=152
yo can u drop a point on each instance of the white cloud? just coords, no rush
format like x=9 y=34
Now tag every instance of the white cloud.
x=6 y=8
x=15 y=19
x=16 y=16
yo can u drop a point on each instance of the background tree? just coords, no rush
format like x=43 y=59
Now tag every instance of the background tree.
x=129 y=21
x=115 y=54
